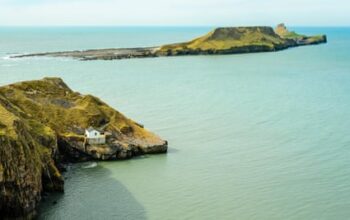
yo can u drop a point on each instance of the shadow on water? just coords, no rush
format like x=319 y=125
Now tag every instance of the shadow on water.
x=91 y=194
x=173 y=150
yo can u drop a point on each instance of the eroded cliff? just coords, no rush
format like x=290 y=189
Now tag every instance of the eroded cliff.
x=42 y=124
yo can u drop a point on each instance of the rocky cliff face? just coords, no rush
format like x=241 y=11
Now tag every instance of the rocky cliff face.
x=42 y=124
x=27 y=161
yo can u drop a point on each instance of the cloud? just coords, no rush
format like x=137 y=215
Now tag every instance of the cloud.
x=173 y=12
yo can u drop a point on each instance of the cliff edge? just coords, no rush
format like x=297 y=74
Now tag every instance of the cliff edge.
x=42 y=125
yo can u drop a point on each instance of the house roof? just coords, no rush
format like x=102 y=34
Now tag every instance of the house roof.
x=89 y=129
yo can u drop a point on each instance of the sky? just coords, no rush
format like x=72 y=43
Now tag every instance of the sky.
x=174 y=12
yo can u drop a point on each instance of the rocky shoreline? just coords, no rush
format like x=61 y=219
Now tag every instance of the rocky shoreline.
x=42 y=126
x=228 y=40
x=100 y=54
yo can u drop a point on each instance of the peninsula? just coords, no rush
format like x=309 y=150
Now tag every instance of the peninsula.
x=226 y=40
x=43 y=125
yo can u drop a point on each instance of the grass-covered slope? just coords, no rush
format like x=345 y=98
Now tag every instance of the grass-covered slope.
x=230 y=39
x=51 y=102
x=42 y=122
x=240 y=40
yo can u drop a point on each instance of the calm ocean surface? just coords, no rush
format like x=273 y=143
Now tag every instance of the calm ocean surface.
x=255 y=136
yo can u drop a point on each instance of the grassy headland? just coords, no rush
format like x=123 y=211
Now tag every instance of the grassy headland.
x=225 y=40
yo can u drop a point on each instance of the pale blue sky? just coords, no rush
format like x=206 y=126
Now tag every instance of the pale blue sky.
x=175 y=12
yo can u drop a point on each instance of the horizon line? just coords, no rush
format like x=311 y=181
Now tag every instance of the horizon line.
x=170 y=25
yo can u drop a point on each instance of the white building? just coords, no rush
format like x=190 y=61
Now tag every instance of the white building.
x=94 y=136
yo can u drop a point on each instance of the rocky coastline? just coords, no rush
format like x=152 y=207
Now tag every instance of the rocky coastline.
x=42 y=126
x=227 y=40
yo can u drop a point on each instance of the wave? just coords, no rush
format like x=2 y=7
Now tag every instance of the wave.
x=9 y=56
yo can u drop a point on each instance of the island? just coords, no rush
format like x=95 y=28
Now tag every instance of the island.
x=43 y=125
x=225 y=40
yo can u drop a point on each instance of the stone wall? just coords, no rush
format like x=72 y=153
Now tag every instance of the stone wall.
x=99 y=140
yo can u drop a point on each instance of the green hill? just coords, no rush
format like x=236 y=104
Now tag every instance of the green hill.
x=229 y=40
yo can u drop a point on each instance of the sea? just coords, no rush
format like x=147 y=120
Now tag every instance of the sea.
x=251 y=136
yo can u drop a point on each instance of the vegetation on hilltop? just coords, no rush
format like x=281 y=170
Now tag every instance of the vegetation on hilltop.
x=227 y=38
x=240 y=40
x=42 y=123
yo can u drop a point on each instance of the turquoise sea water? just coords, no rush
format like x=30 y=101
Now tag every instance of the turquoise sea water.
x=253 y=136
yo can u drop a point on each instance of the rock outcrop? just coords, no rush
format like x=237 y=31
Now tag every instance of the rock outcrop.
x=227 y=40
x=299 y=39
x=42 y=125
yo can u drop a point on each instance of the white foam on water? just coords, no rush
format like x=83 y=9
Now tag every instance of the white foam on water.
x=89 y=165
x=10 y=57
x=7 y=57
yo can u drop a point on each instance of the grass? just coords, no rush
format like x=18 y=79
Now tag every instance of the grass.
x=6 y=122
x=227 y=38
x=69 y=113
x=293 y=35
x=240 y=39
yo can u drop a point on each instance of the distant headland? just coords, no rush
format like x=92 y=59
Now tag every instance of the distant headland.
x=225 y=40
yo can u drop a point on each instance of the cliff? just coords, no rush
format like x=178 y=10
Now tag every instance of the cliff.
x=225 y=40
x=42 y=124
x=231 y=40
